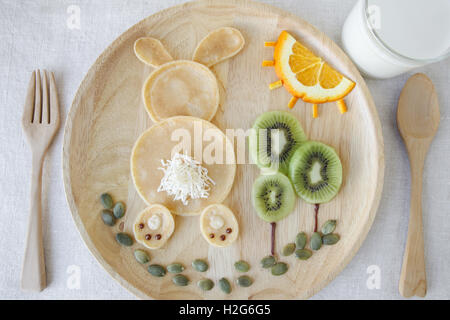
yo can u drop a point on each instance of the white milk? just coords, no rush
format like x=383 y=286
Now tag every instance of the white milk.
x=397 y=35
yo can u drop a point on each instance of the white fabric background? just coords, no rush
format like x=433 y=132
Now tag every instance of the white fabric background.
x=34 y=34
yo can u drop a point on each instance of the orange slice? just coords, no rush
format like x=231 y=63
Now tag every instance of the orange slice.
x=306 y=75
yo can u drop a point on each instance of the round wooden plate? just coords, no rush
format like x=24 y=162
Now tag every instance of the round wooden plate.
x=107 y=116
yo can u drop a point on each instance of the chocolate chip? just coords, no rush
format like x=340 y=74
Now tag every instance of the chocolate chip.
x=148 y=236
x=229 y=230
x=158 y=236
x=223 y=237
x=211 y=235
x=141 y=226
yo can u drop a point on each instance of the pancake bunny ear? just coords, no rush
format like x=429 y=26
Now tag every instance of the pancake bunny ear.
x=218 y=45
x=151 y=51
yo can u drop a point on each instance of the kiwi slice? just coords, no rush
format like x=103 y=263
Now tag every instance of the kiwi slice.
x=273 y=140
x=316 y=172
x=273 y=197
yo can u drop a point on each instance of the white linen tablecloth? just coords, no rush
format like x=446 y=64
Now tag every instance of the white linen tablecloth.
x=41 y=34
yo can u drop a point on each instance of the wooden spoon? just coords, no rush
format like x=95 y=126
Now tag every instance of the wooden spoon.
x=418 y=120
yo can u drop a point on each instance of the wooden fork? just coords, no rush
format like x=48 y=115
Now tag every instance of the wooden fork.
x=40 y=122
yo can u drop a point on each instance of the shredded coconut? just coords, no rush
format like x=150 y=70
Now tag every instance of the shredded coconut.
x=185 y=178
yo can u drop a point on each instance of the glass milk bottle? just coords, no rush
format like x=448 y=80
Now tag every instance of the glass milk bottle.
x=385 y=38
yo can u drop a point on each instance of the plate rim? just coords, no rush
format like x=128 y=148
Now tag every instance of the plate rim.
x=375 y=202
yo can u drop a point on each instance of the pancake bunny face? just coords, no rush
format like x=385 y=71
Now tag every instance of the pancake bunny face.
x=184 y=87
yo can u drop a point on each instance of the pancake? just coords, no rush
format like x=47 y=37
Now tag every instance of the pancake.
x=218 y=45
x=154 y=226
x=181 y=88
x=219 y=225
x=151 y=51
x=161 y=141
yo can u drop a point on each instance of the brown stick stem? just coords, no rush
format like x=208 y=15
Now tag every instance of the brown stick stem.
x=316 y=210
x=272 y=241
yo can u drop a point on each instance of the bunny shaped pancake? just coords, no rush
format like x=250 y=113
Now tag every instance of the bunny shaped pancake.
x=183 y=95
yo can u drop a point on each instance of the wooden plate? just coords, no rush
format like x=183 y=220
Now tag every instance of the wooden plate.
x=107 y=116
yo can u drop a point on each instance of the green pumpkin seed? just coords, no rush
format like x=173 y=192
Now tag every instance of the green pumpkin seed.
x=180 y=280
x=205 y=284
x=175 y=268
x=141 y=256
x=303 y=254
x=124 y=239
x=316 y=241
x=328 y=227
x=119 y=210
x=242 y=266
x=279 y=269
x=244 y=281
x=106 y=201
x=200 y=265
x=300 y=240
x=288 y=249
x=108 y=217
x=268 y=262
x=330 y=239
x=156 y=270
x=225 y=285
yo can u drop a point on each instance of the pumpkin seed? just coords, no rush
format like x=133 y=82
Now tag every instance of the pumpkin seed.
x=316 y=241
x=200 y=265
x=108 y=217
x=106 y=201
x=124 y=239
x=300 y=240
x=119 y=210
x=242 y=266
x=244 y=281
x=328 y=227
x=175 y=268
x=141 y=256
x=205 y=284
x=268 y=262
x=288 y=249
x=156 y=270
x=225 y=285
x=180 y=280
x=303 y=254
x=330 y=239
x=279 y=269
